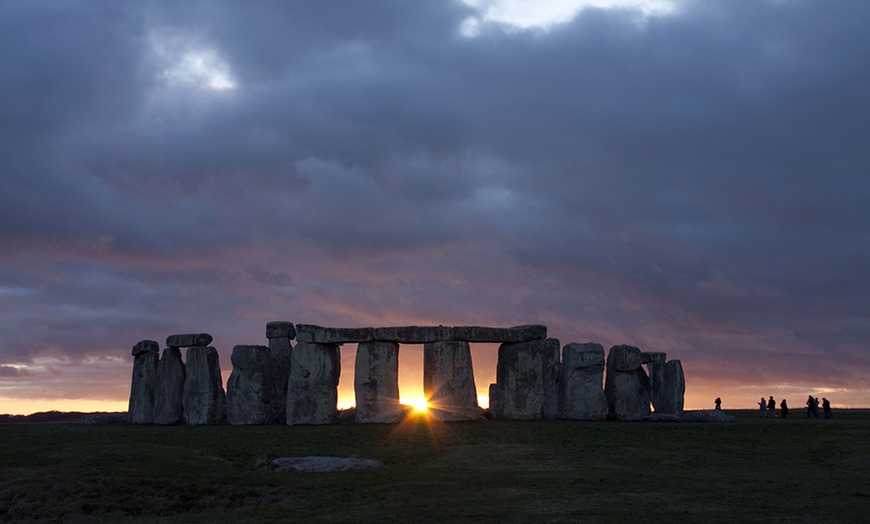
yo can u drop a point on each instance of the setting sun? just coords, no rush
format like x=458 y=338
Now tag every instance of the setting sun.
x=420 y=405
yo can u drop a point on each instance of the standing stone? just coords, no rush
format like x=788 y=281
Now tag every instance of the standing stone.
x=280 y=333
x=312 y=386
x=494 y=405
x=204 y=397
x=281 y=350
x=520 y=379
x=581 y=395
x=448 y=381
x=551 y=366
x=626 y=385
x=249 y=388
x=146 y=354
x=667 y=386
x=169 y=392
x=376 y=382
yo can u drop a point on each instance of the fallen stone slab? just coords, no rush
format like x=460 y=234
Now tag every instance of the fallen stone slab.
x=327 y=335
x=103 y=418
x=323 y=464
x=414 y=334
x=187 y=340
x=707 y=415
x=514 y=334
x=280 y=329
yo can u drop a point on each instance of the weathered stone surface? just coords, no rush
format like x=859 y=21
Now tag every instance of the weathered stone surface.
x=520 y=379
x=667 y=386
x=550 y=374
x=494 y=405
x=626 y=388
x=204 y=396
x=280 y=329
x=169 y=391
x=312 y=387
x=99 y=419
x=624 y=358
x=145 y=346
x=281 y=350
x=646 y=357
x=414 y=334
x=328 y=335
x=500 y=335
x=581 y=393
x=249 y=388
x=448 y=381
x=188 y=339
x=141 y=405
x=707 y=415
x=322 y=464
x=376 y=382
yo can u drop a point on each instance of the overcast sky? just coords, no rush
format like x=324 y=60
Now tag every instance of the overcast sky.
x=682 y=176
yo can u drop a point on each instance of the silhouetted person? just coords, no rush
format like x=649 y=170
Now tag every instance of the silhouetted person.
x=826 y=405
x=718 y=402
x=816 y=407
x=810 y=404
x=762 y=405
x=771 y=407
x=783 y=408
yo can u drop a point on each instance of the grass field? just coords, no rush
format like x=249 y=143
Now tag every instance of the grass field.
x=751 y=470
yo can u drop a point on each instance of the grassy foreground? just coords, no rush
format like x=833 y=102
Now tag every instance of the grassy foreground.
x=752 y=470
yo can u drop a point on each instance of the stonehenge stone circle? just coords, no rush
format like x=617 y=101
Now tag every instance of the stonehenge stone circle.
x=581 y=396
x=626 y=385
x=448 y=381
x=286 y=384
x=312 y=386
x=169 y=391
x=376 y=382
x=146 y=354
x=249 y=388
x=204 y=397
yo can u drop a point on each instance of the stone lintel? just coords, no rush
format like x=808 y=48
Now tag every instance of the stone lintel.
x=413 y=334
x=280 y=329
x=327 y=335
x=524 y=333
x=646 y=357
x=144 y=346
x=187 y=340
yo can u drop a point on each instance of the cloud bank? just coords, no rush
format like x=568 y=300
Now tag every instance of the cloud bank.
x=687 y=177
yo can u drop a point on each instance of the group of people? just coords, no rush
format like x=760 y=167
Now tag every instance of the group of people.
x=813 y=407
x=768 y=407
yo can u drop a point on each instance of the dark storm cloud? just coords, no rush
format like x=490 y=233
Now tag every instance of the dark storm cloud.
x=691 y=182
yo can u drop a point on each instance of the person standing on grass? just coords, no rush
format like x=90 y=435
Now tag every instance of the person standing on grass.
x=826 y=405
x=771 y=407
x=718 y=403
x=762 y=405
x=783 y=408
x=810 y=403
x=816 y=407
